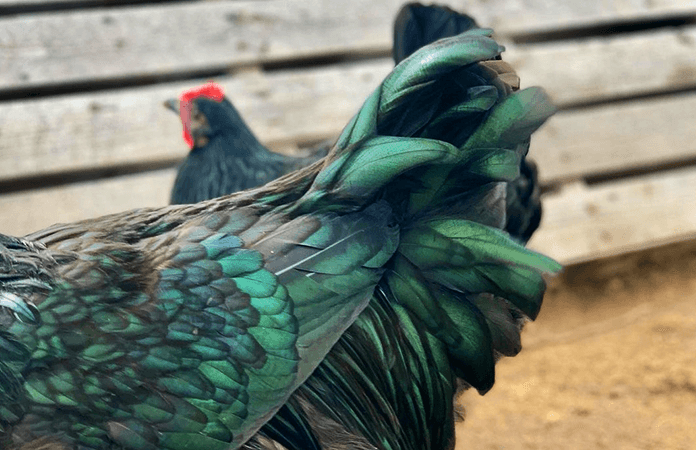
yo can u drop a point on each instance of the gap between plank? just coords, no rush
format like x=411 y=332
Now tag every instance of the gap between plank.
x=603 y=30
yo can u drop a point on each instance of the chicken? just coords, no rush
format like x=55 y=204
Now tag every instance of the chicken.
x=225 y=155
x=345 y=303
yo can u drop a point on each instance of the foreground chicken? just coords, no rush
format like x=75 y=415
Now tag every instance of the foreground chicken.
x=190 y=327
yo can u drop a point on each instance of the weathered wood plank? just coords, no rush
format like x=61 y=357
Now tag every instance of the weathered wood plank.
x=623 y=65
x=85 y=132
x=80 y=46
x=579 y=223
x=582 y=223
x=101 y=130
x=528 y=16
x=106 y=129
x=24 y=212
x=615 y=138
x=518 y=16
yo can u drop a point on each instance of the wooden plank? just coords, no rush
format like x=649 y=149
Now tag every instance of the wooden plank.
x=596 y=69
x=615 y=138
x=581 y=223
x=45 y=49
x=24 y=212
x=516 y=16
x=102 y=130
x=80 y=46
x=105 y=129
x=87 y=131
x=513 y=17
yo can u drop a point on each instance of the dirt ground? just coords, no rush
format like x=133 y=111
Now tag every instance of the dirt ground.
x=609 y=364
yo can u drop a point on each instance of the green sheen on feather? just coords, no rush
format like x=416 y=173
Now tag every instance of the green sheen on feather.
x=513 y=120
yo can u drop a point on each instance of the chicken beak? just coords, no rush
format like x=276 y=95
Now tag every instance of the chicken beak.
x=172 y=104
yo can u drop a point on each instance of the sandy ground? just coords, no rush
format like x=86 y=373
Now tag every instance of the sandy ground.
x=609 y=364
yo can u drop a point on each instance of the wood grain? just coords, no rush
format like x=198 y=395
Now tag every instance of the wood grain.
x=619 y=137
x=509 y=16
x=513 y=17
x=598 y=69
x=109 y=129
x=82 y=46
x=152 y=40
x=581 y=223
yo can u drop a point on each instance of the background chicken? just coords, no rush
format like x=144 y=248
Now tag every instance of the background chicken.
x=225 y=155
x=190 y=326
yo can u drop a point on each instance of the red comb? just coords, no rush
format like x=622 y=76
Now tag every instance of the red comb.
x=209 y=90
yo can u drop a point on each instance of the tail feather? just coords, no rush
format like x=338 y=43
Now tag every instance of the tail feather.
x=290 y=428
x=445 y=272
x=409 y=131
x=442 y=261
x=417 y=25
x=387 y=129
x=524 y=203
x=503 y=320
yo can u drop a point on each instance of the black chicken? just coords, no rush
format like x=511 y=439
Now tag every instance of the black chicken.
x=343 y=304
x=225 y=155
